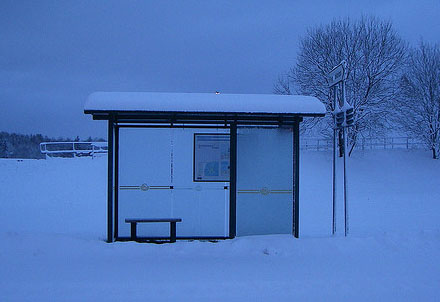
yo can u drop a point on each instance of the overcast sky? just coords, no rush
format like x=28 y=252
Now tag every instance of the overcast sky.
x=53 y=54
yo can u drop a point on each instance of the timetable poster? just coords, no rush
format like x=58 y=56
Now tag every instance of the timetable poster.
x=211 y=157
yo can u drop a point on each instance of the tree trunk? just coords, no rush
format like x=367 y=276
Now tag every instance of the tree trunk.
x=434 y=153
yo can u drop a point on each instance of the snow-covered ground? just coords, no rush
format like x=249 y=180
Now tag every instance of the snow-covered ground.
x=52 y=230
x=389 y=191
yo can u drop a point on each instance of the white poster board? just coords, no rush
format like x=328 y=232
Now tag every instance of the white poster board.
x=211 y=157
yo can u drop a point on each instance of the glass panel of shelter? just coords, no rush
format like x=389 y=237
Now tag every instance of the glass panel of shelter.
x=264 y=181
x=156 y=181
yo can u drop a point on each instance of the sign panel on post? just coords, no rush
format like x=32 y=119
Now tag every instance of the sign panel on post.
x=336 y=75
x=211 y=157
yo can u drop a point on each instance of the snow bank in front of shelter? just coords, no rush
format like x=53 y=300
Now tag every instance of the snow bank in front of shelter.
x=259 y=268
x=53 y=223
x=204 y=102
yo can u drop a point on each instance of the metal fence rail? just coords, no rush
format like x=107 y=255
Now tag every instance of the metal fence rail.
x=73 y=149
x=80 y=149
x=371 y=143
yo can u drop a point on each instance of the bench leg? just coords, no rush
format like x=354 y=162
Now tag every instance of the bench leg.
x=172 y=231
x=133 y=231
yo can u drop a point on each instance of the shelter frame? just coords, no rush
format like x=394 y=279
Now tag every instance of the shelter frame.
x=220 y=120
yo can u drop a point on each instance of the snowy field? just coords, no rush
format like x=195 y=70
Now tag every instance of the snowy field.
x=53 y=223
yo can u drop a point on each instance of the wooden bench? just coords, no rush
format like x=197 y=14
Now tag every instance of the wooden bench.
x=133 y=222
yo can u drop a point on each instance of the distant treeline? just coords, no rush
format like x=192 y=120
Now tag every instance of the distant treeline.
x=13 y=145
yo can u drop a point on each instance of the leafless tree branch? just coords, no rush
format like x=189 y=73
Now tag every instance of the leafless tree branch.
x=374 y=53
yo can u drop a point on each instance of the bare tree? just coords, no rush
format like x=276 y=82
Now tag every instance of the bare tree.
x=418 y=104
x=374 y=53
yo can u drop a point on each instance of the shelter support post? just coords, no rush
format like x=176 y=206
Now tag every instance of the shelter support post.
x=110 y=181
x=233 y=181
x=116 y=179
x=296 y=179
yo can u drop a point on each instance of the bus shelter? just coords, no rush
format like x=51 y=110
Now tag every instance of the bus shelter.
x=226 y=164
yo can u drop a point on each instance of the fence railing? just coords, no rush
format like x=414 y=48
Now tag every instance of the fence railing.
x=80 y=149
x=73 y=149
x=371 y=143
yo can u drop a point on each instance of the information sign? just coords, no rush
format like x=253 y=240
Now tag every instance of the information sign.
x=211 y=157
x=336 y=75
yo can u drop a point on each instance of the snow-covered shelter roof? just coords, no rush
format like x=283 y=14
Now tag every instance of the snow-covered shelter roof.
x=223 y=106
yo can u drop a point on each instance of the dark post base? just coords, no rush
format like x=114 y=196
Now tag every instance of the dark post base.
x=172 y=231
x=133 y=231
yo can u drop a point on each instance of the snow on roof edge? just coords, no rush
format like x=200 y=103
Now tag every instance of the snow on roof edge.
x=203 y=102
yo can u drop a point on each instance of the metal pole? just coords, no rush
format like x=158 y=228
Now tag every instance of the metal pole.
x=345 y=182
x=334 y=162
x=334 y=182
x=345 y=164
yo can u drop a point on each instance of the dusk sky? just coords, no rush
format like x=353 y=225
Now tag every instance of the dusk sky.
x=53 y=54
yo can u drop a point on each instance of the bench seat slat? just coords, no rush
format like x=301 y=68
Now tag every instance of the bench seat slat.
x=129 y=220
